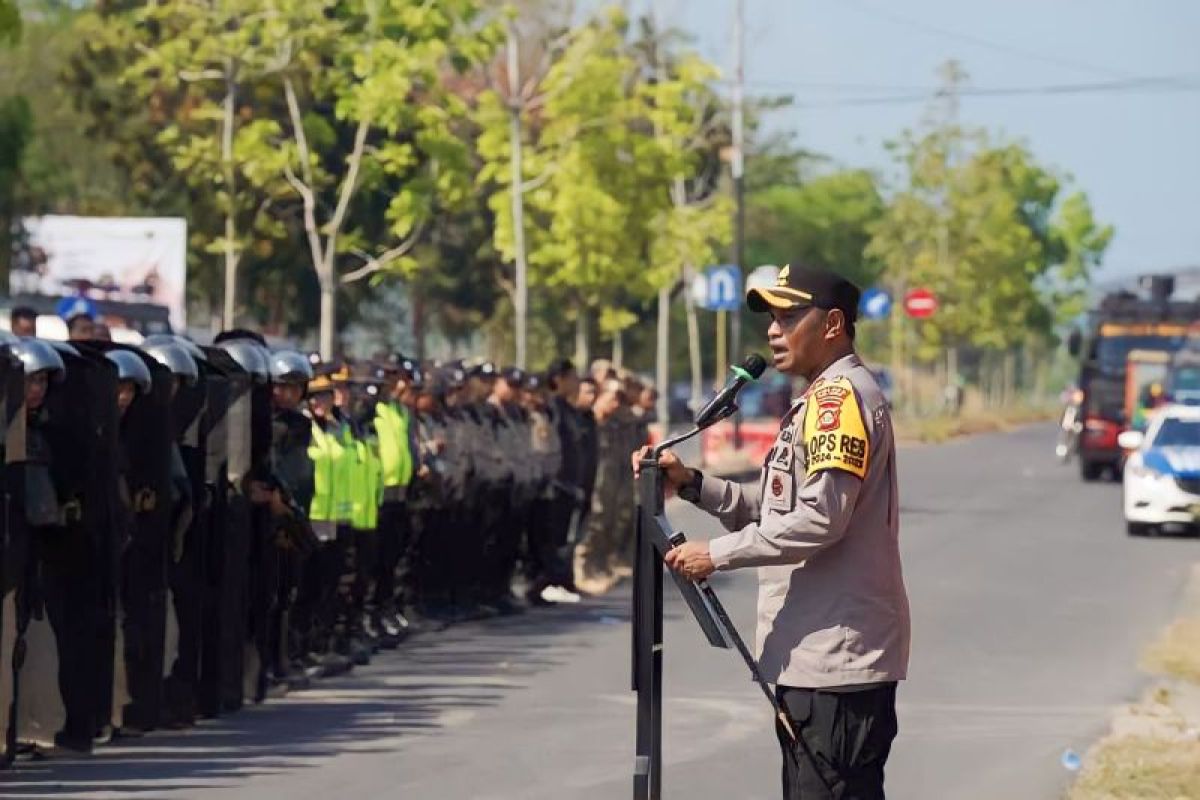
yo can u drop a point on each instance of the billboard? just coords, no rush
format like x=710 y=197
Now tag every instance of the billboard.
x=123 y=259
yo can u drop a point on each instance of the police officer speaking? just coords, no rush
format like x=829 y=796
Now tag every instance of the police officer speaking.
x=833 y=619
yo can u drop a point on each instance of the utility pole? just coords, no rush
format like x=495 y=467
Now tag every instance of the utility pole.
x=662 y=361
x=515 y=107
x=739 y=187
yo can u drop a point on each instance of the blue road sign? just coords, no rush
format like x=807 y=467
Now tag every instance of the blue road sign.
x=724 y=288
x=71 y=306
x=875 y=303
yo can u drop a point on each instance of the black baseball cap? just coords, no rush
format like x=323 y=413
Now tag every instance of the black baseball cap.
x=514 y=376
x=799 y=285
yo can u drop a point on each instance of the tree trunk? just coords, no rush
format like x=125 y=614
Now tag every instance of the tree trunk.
x=662 y=376
x=229 y=309
x=328 y=281
x=618 y=349
x=418 y=323
x=583 y=356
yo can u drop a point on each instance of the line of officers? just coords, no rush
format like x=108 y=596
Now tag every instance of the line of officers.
x=187 y=529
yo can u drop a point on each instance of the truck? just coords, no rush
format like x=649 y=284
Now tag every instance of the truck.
x=1148 y=320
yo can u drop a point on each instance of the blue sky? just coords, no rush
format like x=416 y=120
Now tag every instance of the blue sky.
x=1136 y=153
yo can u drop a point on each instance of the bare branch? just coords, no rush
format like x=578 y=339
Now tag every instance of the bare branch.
x=349 y=184
x=538 y=182
x=376 y=263
x=297 y=119
x=310 y=219
x=194 y=76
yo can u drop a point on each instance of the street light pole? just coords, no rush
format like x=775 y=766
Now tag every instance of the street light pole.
x=515 y=107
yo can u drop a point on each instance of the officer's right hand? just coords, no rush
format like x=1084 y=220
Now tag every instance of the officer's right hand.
x=675 y=471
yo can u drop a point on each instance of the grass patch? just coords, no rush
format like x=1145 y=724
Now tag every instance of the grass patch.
x=1177 y=651
x=942 y=428
x=1140 y=768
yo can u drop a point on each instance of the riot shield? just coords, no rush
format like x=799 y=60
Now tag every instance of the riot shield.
x=77 y=559
x=15 y=560
x=230 y=534
x=213 y=457
x=145 y=441
x=265 y=556
x=185 y=563
x=14 y=543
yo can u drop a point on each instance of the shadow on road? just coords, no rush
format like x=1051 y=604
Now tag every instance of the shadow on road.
x=425 y=687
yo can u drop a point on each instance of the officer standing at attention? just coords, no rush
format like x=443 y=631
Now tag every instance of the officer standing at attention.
x=833 y=618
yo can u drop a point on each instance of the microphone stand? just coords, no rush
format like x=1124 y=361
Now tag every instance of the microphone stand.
x=654 y=538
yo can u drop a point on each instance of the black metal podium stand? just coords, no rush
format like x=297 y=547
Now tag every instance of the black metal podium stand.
x=654 y=539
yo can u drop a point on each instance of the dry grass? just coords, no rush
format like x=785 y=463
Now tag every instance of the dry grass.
x=942 y=428
x=1177 y=651
x=1140 y=768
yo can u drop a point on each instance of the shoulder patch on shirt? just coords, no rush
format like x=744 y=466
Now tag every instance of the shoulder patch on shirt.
x=834 y=434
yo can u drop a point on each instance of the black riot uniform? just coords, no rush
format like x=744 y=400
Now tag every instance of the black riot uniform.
x=292 y=479
x=510 y=497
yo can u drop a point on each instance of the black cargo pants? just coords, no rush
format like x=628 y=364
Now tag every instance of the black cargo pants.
x=845 y=740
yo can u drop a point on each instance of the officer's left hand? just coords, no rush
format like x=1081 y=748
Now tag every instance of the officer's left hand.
x=691 y=560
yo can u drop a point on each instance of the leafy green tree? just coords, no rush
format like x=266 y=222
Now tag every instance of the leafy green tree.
x=609 y=140
x=377 y=68
x=826 y=220
x=988 y=229
x=10 y=21
x=214 y=54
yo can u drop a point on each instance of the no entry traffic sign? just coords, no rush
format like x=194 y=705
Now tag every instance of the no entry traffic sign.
x=920 y=304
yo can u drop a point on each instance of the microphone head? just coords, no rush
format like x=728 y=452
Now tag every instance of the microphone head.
x=754 y=364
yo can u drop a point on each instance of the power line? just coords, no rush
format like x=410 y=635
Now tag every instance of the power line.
x=980 y=41
x=1136 y=85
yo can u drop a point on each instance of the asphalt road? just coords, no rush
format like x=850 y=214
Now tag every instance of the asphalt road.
x=1030 y=605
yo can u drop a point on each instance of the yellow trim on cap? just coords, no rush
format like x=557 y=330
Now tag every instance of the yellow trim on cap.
x=321 y=383
x=778 y=297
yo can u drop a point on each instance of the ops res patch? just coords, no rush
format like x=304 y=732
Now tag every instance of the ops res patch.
x=834 y=434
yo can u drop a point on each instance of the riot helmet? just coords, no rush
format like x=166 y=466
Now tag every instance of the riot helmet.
x=176 y=358
x=290 y=366
x=64 y=347
x=37 y=356
x=131 y=367
x=194 y=350
x=250 y=356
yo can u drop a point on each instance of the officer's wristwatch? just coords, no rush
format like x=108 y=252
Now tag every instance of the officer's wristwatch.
x=690 y=491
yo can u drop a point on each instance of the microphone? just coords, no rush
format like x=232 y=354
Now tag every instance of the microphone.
x=725 y=403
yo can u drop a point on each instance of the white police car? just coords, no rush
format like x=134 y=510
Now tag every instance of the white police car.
x=1162 y=473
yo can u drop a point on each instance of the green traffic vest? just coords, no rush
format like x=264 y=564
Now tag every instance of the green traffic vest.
x=391 y=425
x=366 y=488
x=333 y=467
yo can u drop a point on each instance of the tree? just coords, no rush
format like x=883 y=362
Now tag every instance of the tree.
x=15 y=126
x=826 y=220
x=213 y=53
x=10 y=21
x=377 y=68
x=987 y=229
x=602 y=154
x=690 y=128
